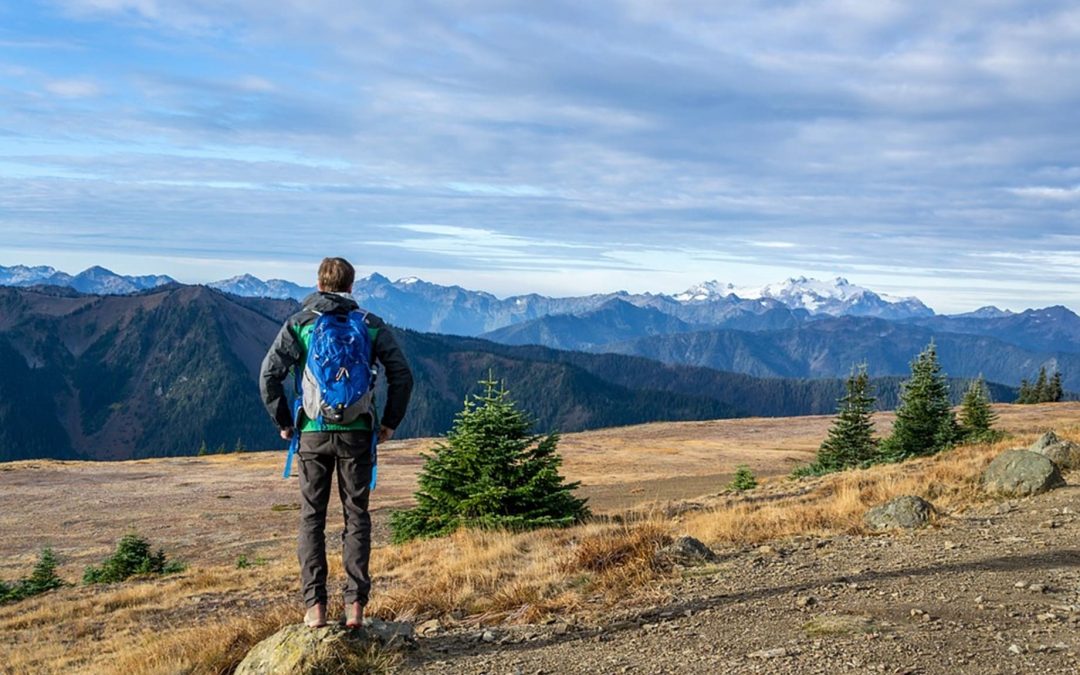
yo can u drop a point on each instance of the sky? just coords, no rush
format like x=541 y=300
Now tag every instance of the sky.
x=917 y=148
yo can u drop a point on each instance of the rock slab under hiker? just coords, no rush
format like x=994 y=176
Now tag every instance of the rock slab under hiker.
x=1021 y=473
x=299 y=650
x=1065 y=454
x=907 y=512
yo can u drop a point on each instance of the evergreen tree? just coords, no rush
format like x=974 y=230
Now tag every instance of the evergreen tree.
x=925 y=423
x=1045 y=390
x=976 y=416
x=851 y=439
x=133 y=556
x=203 y=450
x=491 y=471
x=743 y=479
x=1025 y=392
x=42 y=578
x=1041 y=390
x=239 y=447
x=1055 y=391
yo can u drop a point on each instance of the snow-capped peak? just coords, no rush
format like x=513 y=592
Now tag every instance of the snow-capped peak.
x=709 y=290
x=836 y=297
x=408 y=280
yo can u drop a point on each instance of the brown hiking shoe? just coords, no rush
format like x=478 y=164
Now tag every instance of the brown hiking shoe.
x=315 y=617
x=354 y=615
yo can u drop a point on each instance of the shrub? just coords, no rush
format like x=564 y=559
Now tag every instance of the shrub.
x=42 y=578
x=133 y=556
x=243 y=562
x=743 y=479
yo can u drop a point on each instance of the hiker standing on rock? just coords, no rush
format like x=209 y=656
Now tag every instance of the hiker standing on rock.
x=332 y=346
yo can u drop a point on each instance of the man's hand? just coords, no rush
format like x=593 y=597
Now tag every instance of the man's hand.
x=385 y=434
x=287 y=434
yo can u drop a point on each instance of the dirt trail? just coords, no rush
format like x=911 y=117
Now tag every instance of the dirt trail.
x=994 y=590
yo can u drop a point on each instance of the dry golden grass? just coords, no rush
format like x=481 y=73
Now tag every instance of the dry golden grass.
x=204 y=620
x=837 y=502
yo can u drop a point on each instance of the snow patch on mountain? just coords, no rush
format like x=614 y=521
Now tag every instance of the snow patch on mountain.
x=835 y=297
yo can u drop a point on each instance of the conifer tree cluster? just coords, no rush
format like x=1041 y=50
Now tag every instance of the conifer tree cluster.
x=492 y=472
x=851 y=439
x=1045 y=390
x=925 y=423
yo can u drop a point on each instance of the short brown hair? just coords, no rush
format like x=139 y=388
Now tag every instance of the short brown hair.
x=336 y=275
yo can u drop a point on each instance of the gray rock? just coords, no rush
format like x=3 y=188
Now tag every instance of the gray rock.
x=685 y=551
x=299 y=650
x=1065 y=454
x=1044 y=441
x=907 y=512
x=1021 y=473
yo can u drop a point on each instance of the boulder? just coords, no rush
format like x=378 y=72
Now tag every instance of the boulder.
x=685 y=551
x=907 y=512
x=1021 y=473
x=1045 y=441
x=1065 y=454
x=299 y=650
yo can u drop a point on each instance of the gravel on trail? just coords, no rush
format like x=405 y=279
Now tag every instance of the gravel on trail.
x=993 y=590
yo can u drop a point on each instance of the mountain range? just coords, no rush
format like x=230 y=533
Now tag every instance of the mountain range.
x=420 y=305
x=1006 y=348
x=165 y=370
x=97 y=280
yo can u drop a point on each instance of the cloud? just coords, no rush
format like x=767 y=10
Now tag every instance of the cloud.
x=73 y=88
x=820 y=136
x=1052 y=193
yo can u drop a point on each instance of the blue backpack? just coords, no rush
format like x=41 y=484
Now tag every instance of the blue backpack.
x=337 y=383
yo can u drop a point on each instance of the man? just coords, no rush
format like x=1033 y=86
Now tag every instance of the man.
x=325 y=447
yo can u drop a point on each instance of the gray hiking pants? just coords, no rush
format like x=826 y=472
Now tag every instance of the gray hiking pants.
x=321 y=453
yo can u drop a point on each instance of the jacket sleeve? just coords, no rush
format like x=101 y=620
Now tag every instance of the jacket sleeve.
x=399 y=378
x=283 y=355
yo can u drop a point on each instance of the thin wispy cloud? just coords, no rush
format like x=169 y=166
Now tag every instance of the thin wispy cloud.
x=73 y=88
x=656 y=144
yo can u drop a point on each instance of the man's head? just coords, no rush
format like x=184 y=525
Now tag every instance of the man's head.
x=336 y=275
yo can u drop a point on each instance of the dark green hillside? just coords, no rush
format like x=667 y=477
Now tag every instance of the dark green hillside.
x=152 y=374
x=742 y=395
x=30 y=426
x=559 y=395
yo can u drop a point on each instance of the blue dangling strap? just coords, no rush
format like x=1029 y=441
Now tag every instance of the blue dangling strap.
x=374 y=454
x=294 y=442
